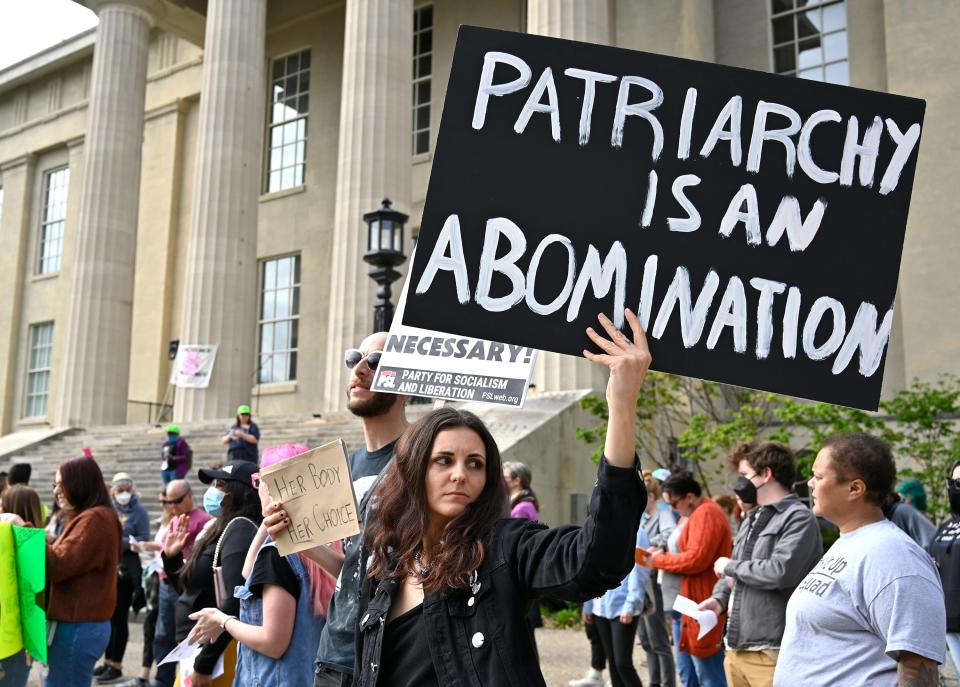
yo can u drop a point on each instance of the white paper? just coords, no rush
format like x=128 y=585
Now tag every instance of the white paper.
x=183 y=650
x=186 y=670
x=688 y=607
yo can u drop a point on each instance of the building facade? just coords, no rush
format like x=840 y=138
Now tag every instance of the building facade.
x=198 y=171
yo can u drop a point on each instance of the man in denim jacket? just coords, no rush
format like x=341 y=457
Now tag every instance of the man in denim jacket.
x=774 y=550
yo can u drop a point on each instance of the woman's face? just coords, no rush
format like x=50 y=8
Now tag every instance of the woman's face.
x=59 y=494
x=829 y=495
x=511 y=481
x=456 y=473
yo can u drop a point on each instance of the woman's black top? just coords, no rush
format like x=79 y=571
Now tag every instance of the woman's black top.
x=272 y=568
x=406 y=654
x=197 y=589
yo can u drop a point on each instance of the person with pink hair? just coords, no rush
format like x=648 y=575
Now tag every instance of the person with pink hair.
x=283 y=606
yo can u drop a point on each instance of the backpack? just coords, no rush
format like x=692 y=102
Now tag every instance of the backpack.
x=189 y=455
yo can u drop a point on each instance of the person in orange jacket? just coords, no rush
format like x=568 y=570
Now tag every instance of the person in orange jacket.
x=705 y=537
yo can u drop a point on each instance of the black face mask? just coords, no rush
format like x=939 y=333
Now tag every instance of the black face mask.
x=746 y=490
x=954 y=496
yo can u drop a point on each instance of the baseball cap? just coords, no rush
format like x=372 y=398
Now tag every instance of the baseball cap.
x=173 y=429
x=234 y=471
x=660 y=474
x=243 y=410
x=122 y=477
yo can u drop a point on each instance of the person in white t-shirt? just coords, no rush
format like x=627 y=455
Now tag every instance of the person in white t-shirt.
x=871 y=612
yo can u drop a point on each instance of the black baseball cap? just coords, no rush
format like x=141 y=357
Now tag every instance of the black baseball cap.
x=234 y=471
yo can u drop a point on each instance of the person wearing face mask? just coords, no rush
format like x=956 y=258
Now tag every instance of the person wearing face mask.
x=945 y=549
x=136 y=528
x=776 y=546
x=234 y=503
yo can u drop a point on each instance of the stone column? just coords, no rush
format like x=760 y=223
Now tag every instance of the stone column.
x=373 y=162
x=16 y=177
x=579 y=20
x=96 y=356
x=220 y=300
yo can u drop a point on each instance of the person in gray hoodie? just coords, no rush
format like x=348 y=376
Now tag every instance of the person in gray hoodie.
x=777 y=545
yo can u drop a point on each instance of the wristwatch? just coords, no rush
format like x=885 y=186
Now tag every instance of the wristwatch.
x=223 y=625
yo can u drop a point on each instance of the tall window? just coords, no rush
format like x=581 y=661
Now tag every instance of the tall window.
x=810 y=39
x=287 y=135
x=38 y=369
x=422 y=70
x=53 y=219
x=279 y=319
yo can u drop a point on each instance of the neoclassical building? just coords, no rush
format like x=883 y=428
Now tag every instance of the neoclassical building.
x=197 y=171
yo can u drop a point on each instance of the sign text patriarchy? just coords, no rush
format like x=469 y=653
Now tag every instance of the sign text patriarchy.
x=754 y=222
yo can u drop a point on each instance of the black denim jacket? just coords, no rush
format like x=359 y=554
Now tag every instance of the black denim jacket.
x=479 y=637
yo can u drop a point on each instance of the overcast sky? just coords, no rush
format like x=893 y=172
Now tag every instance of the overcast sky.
x=29 y=26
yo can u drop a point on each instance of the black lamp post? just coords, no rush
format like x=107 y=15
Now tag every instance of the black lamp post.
x=384 y=253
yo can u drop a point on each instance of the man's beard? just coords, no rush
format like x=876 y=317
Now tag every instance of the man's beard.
x=378 y=404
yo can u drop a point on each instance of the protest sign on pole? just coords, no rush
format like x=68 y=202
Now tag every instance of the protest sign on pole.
x=754 y=222
x=193 y=366
x=317 y=492
x=422 y=362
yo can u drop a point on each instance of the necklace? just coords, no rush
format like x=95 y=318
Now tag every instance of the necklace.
x=421 y=570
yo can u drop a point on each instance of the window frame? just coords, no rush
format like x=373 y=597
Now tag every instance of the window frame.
x=417 y=133
x=292 y=352
x=299 y=141
x=794 y=42
x=33 y=344
x=46 y=223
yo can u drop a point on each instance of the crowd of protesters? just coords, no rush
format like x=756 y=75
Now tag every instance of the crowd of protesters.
x=442 y=585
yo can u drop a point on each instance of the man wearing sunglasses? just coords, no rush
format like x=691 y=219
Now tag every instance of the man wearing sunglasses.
x=178 y=497
x=383 y=417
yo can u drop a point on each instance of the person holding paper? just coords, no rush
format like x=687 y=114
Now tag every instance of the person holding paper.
x=445 y=598
x=871 y=612
x=82 y=568
x=383 y=417
x=705 y=538
x=282 y=606
x=775 y=547
x=219 y=552
x=616 y=615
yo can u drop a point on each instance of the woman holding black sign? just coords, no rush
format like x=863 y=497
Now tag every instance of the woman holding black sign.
x=451 y=577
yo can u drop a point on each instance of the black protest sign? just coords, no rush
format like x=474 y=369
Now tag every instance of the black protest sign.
x=755 y=222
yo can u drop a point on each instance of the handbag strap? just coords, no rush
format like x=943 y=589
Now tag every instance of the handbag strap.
x=216 y=551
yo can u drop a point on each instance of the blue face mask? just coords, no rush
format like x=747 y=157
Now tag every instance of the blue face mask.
x=213 y=501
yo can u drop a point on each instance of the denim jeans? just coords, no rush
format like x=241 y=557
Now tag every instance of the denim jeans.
x=14 y=670
x=953 y=650
x=165 y=635
x=710 y=671
x=74 y=652
x=688 y=673
x=168 y=475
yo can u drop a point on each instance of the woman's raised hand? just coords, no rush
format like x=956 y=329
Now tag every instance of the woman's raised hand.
x=276 y=518
x=177 y=536
x=628 y=360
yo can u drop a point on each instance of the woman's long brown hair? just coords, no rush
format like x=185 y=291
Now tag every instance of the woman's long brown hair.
x=402 y=515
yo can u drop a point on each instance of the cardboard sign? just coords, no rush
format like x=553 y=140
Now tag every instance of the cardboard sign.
x=317 y=492
x=193 y=366
x=422 y=362
x=755 y=222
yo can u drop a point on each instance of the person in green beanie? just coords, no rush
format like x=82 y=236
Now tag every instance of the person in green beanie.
x=243 y=437
x=176 y=456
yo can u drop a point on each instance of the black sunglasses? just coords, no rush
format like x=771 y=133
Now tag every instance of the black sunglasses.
x=173 y=502
x=353 y=356
x=953 y=483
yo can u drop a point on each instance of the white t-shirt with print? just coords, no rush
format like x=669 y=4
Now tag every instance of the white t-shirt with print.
x=874 y=594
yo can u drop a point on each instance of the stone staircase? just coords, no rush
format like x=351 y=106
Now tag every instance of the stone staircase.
x=542 y=434
x=136 y=448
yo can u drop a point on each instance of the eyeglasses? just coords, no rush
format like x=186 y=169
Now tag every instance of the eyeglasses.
x=353 y=356
x=173 y=502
